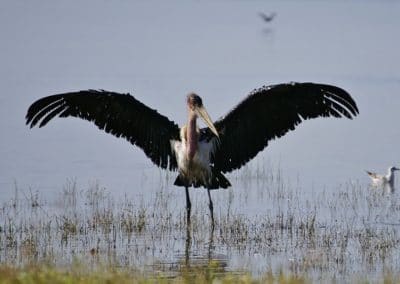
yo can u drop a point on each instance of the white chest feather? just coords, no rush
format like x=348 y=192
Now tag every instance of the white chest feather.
x=197 y=168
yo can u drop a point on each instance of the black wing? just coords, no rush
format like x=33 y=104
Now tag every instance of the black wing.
x=267 y=18
x=119 y=114
x=269 y=113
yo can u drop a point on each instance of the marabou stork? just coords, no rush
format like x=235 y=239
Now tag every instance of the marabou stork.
x=201 y=156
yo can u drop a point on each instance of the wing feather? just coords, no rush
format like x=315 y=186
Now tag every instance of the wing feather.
x=118 y=114
x=269 y=113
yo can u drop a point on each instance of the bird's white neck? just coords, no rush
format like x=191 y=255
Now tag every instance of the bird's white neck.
x=390 y=177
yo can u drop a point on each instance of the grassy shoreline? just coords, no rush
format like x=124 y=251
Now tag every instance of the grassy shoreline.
x=78 y=274
x=206 y=274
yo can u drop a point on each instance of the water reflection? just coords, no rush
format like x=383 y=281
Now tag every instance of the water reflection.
x=193 y=260
x=323 y=234
x=188 y=244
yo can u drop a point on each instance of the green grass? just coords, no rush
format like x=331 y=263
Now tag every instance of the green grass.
x=79 y=274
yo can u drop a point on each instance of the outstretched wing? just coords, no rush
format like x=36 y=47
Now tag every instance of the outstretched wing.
x=119 y=114
x=373 y=175
x=269 y=113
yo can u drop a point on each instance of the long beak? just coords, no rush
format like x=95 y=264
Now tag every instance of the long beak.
x=201 y=111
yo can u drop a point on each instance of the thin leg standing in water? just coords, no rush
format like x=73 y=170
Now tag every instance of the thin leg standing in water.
x=211 y=206
x=188 y=205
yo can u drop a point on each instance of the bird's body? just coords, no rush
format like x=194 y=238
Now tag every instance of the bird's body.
x=201 y=156
x=195 y=171
x=379 y=180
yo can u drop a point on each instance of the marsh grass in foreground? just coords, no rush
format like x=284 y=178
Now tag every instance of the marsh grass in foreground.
x=80 y=274
x=265 y=226
x=44 y=274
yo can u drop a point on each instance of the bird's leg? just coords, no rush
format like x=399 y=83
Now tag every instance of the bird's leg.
x=211 y=206
x=188 y=206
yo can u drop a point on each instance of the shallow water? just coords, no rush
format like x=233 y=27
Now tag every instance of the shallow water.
x=352 y=233
x=159 y=52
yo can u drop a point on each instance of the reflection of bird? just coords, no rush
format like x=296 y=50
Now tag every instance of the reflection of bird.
x=201 y=156
x=267 y=18
x=383 y=180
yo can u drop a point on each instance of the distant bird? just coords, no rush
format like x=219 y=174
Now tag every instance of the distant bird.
x=267 y=18
x=383 y=180
x=201 y=156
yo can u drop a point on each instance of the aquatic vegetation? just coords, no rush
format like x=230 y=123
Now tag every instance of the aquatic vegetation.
x=267 y=229
x=207 y=274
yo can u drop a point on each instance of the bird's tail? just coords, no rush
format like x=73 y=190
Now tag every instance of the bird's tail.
x=180 y=181
x=218 y=180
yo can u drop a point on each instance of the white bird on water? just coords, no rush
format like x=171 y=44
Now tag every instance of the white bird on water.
x=383 y=180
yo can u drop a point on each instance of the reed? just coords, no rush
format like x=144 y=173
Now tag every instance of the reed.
x=264 y=226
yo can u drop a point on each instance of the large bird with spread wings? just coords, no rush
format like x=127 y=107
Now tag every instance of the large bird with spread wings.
x=201 y=156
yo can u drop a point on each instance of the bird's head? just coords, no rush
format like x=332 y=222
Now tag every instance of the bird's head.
x=392 y=169
x=195 y=106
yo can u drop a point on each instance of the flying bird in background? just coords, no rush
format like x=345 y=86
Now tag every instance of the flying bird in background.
x=201 y=156
x=267 y=18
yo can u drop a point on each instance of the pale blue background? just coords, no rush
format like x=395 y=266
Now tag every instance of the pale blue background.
x=161 y=50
